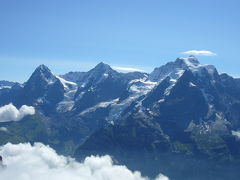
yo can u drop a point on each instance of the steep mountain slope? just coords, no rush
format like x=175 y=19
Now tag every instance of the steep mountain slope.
x=101 y=97
x=189 y=116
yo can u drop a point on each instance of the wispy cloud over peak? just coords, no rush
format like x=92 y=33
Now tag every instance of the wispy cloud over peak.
x=200 y=53
x=127 y=69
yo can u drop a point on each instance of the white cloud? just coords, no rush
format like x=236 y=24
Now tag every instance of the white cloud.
x=126 y=69
x=11 y=113
x=200 y=53
x=40 y=162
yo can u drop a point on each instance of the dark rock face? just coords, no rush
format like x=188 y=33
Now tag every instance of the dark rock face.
x=42 y=89
x=8 y=91
x=106 y=90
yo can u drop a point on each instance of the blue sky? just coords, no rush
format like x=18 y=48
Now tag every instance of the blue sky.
x=75 y=35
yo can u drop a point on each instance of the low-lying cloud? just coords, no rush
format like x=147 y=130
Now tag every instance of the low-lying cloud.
x=11 y=113
x=40 y=162
x=200 y=53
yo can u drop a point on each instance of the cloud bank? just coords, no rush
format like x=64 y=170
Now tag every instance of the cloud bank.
x=200 y=53
x=11 y=113
x=126 y=69
x=40 y=162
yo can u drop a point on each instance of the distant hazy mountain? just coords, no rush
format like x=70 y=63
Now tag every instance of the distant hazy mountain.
x=183 y=118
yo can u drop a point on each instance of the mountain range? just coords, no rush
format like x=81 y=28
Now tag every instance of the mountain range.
x=183 y=119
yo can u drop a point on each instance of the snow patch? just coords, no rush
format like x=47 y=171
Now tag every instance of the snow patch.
x=68 y=101
x=236 y=134
x=191 y=84
x=66 y=83
x=99 y=105
x=4 y=129
x=105 y=75
x=5 y=87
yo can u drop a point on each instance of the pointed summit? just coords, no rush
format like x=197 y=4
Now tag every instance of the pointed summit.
x=102 y=67
x=42 y=67
x=98 y=74
x=42 y=74
x=43 y=70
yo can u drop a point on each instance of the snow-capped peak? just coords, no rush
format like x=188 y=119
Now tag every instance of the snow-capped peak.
x=191 y=61
x=193 y=65
x=173 y=69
